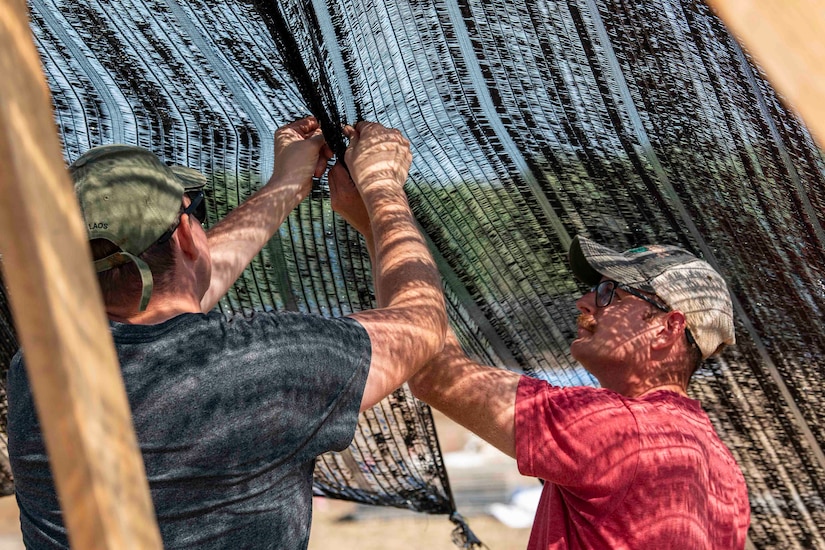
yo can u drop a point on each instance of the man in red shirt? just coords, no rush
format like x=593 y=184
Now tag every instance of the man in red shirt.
x=635 y=463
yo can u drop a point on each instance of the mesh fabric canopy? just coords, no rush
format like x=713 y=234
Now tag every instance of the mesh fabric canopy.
x=530 y=121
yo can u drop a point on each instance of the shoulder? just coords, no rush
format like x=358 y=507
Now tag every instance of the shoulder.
x=689 y=435
x=305 y=327
x=580 y=413
x=308 y=337
x=670 y=407
x=572 y=435
x=279 y=318
x=17 y=359
x=16 y=378
x=261 y=338
x=539 y=394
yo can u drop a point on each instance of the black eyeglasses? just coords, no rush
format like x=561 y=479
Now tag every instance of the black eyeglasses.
x=606 y=289
x=196 y=208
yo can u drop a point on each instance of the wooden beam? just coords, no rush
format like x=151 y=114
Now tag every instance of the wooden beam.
x=58 y=312
x=787 y=40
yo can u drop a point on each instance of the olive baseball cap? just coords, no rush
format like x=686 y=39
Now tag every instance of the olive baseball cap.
x=130 y=198
x=685 y=282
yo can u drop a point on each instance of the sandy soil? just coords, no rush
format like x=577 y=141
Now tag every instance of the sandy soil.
x=410 y=532
x=9 y=525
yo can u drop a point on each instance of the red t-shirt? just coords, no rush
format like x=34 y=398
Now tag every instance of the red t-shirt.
x=625 y=473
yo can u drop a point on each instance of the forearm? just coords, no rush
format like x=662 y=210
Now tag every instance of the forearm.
x=370 y=243
x=480 y=398
x=236 y=239
x=380 y=300
x=241 y=235
x=409 y=326
x=404 y=272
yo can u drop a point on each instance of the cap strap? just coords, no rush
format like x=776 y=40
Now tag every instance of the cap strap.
x=123 y=257
x=112 y=260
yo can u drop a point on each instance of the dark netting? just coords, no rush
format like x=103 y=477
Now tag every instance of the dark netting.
x=531 y=121
x=8 y=347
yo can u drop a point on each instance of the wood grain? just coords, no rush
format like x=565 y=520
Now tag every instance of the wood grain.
x=59 y=316
x=787 y=39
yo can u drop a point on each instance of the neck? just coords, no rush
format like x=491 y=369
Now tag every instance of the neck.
x=677 y=388
x=161 y=308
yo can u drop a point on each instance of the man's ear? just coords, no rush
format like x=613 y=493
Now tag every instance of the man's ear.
x=186 y=238
x=671 y=330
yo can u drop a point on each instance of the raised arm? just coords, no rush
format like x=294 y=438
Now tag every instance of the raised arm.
x=480 y=398
x=238 y=237
x=346 y=201
x=408 y=327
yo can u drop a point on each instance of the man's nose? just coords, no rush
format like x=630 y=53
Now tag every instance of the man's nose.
x=587 y=303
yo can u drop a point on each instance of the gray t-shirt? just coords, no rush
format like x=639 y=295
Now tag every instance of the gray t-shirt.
x=229 y=416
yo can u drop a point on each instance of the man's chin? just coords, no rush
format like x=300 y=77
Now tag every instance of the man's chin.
x=581 y=352
x=575 y=348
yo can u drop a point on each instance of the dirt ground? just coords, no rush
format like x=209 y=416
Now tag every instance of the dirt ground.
x=9 y=525
x=346 y=526
x=410 y=532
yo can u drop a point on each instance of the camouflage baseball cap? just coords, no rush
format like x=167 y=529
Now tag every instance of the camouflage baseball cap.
x=130 y=198
x=682 y=280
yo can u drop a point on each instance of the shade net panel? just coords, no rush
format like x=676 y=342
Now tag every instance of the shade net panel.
x=530 y=122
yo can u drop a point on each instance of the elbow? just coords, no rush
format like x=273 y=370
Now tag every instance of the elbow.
x=441 y=328
x=438 y=333
x=421 y=380
x=419 y=385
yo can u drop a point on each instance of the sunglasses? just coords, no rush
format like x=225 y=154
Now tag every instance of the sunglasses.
x=196 y=208
x=605 y=291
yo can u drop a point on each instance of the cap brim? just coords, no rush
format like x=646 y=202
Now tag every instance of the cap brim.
x=191 y=179
x=581 y=268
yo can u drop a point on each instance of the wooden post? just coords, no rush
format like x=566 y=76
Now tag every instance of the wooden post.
x=58 y=312
x=787 y=39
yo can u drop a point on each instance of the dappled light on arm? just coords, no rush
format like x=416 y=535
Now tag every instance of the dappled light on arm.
x=409 y=326
x=480 y=398
x=238 y=237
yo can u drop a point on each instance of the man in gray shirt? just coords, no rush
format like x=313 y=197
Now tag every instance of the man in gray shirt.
x=231 y=414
